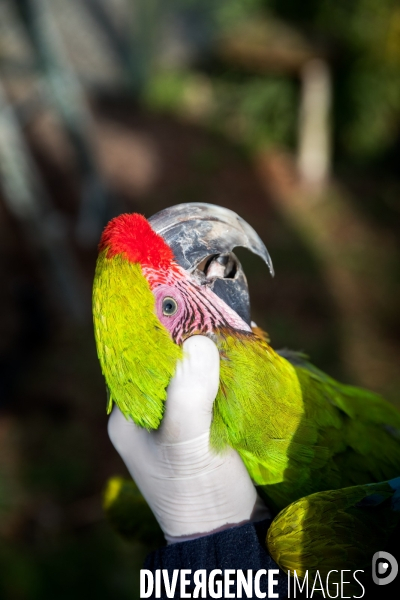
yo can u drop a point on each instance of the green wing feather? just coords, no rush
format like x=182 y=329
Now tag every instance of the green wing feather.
x=297 y=430
x=339 y=529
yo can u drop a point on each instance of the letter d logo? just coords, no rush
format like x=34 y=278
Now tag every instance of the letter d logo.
x=384 y=568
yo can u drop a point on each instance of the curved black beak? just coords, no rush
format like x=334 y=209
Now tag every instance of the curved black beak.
x=202 y=237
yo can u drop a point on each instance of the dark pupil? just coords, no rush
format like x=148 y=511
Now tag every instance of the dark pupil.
x=169 y=307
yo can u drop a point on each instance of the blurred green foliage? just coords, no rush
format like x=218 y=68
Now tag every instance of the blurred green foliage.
x=254 y=111
x=364 y=40
x=93 y=564
x=361 y=41
x=129 y=513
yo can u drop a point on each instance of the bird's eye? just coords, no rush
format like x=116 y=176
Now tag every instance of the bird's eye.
x=169 y=306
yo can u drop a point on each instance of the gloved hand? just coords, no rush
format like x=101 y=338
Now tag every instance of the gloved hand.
x=192 y=490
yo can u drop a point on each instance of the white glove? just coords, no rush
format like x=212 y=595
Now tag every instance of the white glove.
x=192 y=490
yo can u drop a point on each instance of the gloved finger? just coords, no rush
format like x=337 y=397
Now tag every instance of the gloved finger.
x=127 y=438
x=189 y=403
x=192 y=391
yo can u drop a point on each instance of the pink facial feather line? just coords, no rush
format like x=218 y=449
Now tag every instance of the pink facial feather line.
x=199 y=309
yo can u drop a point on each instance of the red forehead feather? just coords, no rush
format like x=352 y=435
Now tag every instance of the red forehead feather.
x=132 y=235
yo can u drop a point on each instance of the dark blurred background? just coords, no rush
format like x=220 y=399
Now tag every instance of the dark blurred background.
x=287 y=112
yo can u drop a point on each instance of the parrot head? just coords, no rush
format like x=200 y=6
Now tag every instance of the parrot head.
x=145 y=304
x=183 y=306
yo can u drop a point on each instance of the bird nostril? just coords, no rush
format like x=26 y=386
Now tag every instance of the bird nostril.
x=230 y=268
x=205 y=263
x=223 y=259
x=223 y=266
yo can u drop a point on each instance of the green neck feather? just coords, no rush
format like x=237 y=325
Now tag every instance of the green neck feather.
x=136 y=354
x=258 y=405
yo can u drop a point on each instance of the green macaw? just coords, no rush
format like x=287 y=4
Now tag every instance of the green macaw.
x=298 y=431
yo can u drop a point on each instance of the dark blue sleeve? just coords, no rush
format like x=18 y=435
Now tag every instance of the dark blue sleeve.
x=238 y=548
